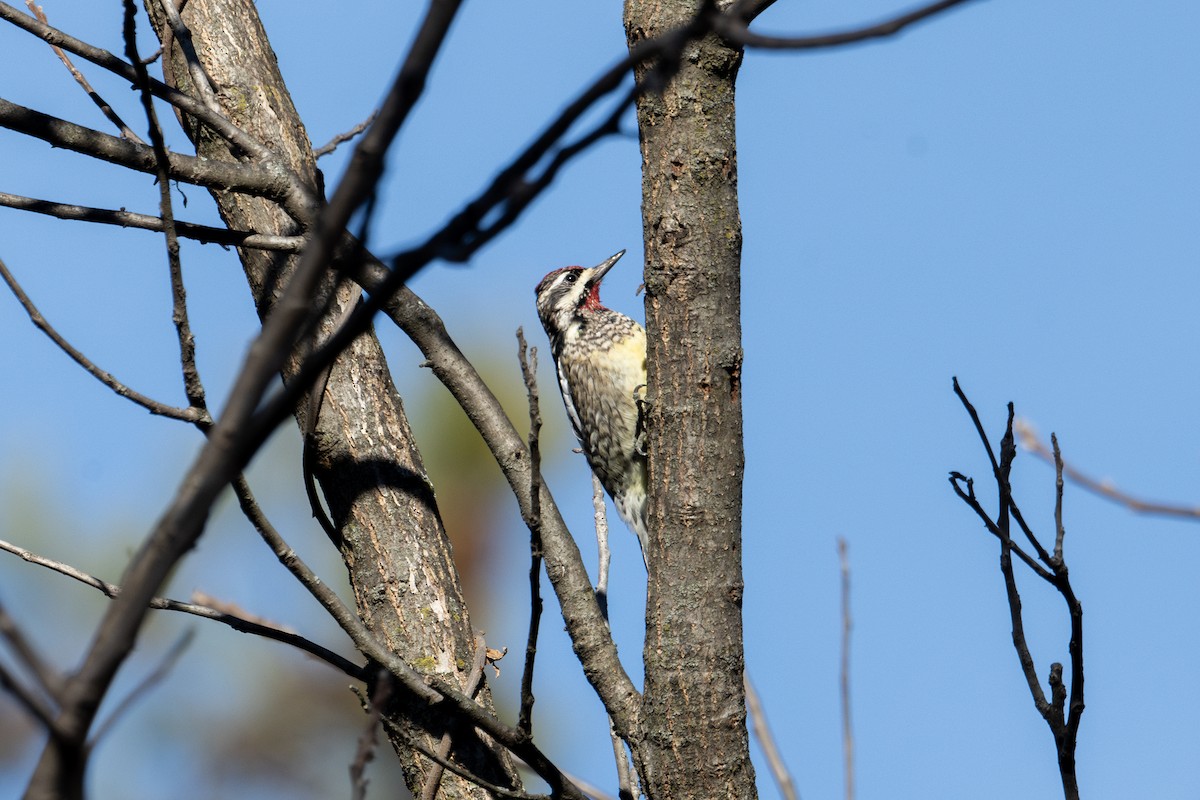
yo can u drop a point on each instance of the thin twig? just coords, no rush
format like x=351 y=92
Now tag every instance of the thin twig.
x=192 y=385
x=202 y=84
x=106 y=378
x=1062 y=721
x=31 y=701
x=1059 y=530
x=342 y=138
x=149 y=222
x=766 y=739
x=967 y=495
x=103 y=58
x=368 y=740
x=48 y=677
x=100 y=102
x=844 y=679
x=1031 y=442
x=433 y=780
x=238 y=623
x=528 y=359
x=734 y=29
x=139 y=692
x=603 y=553
x=462 y=772
x=627 y=788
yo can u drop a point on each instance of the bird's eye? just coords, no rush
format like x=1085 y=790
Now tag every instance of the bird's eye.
x=571 y=277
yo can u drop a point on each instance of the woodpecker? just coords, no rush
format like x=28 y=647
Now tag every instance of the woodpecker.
x=601 y=359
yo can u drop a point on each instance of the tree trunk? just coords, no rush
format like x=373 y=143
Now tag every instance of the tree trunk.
x=381 y=501
x=694 y=712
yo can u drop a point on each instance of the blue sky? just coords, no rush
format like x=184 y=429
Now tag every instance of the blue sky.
x=1008 y=194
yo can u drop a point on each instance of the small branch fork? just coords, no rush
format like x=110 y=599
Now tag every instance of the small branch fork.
x=1061 y=711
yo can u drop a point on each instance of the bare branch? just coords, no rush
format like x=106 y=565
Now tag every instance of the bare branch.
x=766 y=741
x=426 y=691
x=534 y=522
x=1031 y=442
x=193 y=387
x=103 y=58
x=603 y=553
x=36 y=701
x=130 y=219
x=183 y=37
x=1063 y=723
x=367 y=740
x=342 y=138
x=49 y=679
x=502 y=791
x=36 y=706
x=474 y=681
x=139 y=692
x=274 y=183
x=844 y=679
x=237 y=622
x=35 y=316
x=100 y=102
x=734 y=29
x=957 y=481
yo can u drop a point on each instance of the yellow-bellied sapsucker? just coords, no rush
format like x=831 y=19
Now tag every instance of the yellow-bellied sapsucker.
x=601 y=359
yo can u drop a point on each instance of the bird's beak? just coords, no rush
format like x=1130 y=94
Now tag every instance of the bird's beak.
x=597 y=273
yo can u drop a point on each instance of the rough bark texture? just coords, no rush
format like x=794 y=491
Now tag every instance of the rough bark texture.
x=694 y=713
x=380 y=499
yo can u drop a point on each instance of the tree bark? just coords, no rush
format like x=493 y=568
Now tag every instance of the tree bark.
x=381 y=501
x=694 y=713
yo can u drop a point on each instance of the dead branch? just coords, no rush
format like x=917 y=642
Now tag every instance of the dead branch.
x=106 y=378
x=1030 y=441
x=1062 y=712
x=242 y=624
x=149 y=222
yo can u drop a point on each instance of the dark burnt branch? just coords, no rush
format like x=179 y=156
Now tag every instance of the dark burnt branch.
x=1062 y=711
x=107 y=110
x=964 y=487
x=236 y=621
x=1030 y=441
x=153 y=406
x=130 y=219
x=534 y=522
x=733 y=29
x=512 y=191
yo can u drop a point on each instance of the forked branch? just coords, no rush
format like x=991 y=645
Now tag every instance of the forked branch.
x=1064 y=708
